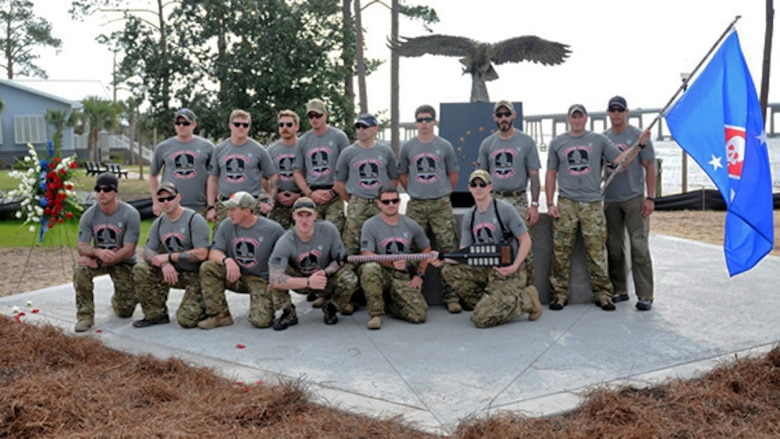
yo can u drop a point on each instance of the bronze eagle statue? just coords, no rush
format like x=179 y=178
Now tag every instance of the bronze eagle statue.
x=478 y=58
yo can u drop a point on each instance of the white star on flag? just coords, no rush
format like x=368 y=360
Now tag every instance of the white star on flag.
x=762 y=137
x=715 y=162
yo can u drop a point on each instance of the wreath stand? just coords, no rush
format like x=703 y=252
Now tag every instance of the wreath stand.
x=62 y=244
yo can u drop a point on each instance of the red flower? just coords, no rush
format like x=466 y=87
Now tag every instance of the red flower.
x=56 y=159
x=69 y=187
x=240 y=346
x=60 y=220
x=73 y=165
x=35 y=311
x=63 y=172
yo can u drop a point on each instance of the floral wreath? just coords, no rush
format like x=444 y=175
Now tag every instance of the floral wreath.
x=47 y=197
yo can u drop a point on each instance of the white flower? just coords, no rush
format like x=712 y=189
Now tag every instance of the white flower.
x=32 y=229
x=18 y=213
x=29 y=303
x=15 y=310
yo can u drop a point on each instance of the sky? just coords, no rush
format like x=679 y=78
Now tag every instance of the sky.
x=637 y=49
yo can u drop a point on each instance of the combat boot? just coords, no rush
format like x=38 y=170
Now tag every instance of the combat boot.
x=221 y=319
x=288 y=318
x=84 y=324
x=375 y=322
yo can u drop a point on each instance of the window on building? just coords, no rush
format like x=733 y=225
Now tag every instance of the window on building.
x=29 y=129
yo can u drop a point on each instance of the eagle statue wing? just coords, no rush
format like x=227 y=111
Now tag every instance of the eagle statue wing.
x=529 y=48
x=446 y=45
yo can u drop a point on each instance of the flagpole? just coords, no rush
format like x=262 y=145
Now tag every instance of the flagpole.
x=634 y=150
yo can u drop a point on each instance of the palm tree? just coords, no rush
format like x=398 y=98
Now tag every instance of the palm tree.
x=101 y=114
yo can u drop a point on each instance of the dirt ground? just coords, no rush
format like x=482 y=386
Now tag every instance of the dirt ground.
x=25 y=269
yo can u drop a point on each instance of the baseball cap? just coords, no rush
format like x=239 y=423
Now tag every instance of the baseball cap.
x=169 y=187
x=316 y=106
x=577 y=107
x=107 y=179
x=504 y=103
x=304 y=204
x=185 y=113
x=240 y=199
x=367 y=119
x=481 y=174
x=620 y=101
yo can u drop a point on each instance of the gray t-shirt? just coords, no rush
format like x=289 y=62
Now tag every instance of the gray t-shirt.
x=186 y=165
x=630 y=183
x=241 y=168
x=189 y=231
x=111 y=231
x=317 y=156
x=509 y=160
x=578 y=163
x=381 y=238
x=428 y=166
x=366 y=169
x=283 y=157
x=251 y=248
x=324 y=247
x=485 y=228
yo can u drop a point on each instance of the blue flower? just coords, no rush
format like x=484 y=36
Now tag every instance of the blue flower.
x=43 y=164
x=43 y=185
x=44 y=202
x=50 y=146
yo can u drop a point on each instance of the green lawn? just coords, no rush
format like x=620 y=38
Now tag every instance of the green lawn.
x=16 y=234
x=84 y=183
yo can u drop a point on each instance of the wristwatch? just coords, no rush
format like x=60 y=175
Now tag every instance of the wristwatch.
x=421 y=274
x=535 y=203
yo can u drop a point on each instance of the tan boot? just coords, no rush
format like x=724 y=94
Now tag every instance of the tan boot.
x=222 y=319
x=375 y=322
x=536 y=304
x=318 y=302
x=348 y=309
x=454 y=307
x=84 y=324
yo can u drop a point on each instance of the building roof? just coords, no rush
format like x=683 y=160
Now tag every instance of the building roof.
x=66 y=91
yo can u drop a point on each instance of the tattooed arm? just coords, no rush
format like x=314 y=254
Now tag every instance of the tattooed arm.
x=279 y=279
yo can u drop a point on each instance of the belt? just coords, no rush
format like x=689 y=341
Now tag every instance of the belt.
x=227 y=198
x=321 y=187
x=510 y=193
x=366 y=200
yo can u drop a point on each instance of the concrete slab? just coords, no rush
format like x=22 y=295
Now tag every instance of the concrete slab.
x=438 y=373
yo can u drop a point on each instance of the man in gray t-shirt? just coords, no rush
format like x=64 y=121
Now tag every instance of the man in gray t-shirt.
x=239 y=164
x=183 y=160
x=177 y=244
x=389 y=232
x=628 y=210
x=283 y=153
x=315 y=163
x=363 y=168
x=574 y=162
x=238 y=260
x=309 y=259
x=108 y=234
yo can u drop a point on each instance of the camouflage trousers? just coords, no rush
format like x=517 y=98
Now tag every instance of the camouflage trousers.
x=520 y=202
x=358 y=211
x=436 y=218
x=622 y=217
x=123 y=300
x=341 y=286
x=333 y=212
x=282 y=215
x=213 y=281
x=389 y=290
x=152 y=292
x=495 y=299
x=590 y=218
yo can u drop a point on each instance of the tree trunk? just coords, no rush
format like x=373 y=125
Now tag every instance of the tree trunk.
x=395 y=132
x=348 y=60
x=361 y=64
x=770 y=18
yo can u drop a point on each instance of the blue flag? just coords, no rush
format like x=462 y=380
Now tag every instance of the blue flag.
x=718 y=122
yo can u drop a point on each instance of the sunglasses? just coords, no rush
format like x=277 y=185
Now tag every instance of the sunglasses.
x=616 y=110
x=390 y=201
x=425 y=119
x=286 y=124
x=164 y=199
x=501 y=114
x=186 y=124
x=104 y=189
x=361 y=127
x=478 y=184
x=241 y=124
x=315 y=115
x=305 y=206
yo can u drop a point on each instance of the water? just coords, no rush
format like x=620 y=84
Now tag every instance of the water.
x=671 y=168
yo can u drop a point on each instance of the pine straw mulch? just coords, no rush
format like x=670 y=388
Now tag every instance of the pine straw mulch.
x=61 y=386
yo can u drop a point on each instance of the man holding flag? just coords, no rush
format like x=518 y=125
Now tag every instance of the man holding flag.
x=718 y=122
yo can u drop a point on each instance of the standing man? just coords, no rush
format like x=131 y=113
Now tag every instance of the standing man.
x=315 y=163
x=309 y=258
x=239 y=164
x=431 y=163
x=183 y=160
x=497 y=294
x=108 y=233
x=238 y=260
x=283 y=153
x=397 y=281
x=512 y=160
x=627 y=208
x=363 y=168
x=177 y=244
x=574 y=161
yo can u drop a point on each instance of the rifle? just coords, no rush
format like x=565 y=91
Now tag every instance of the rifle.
x=477 y=255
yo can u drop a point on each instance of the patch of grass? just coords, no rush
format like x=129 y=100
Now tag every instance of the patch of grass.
x=132 y=187
x=17 y=234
